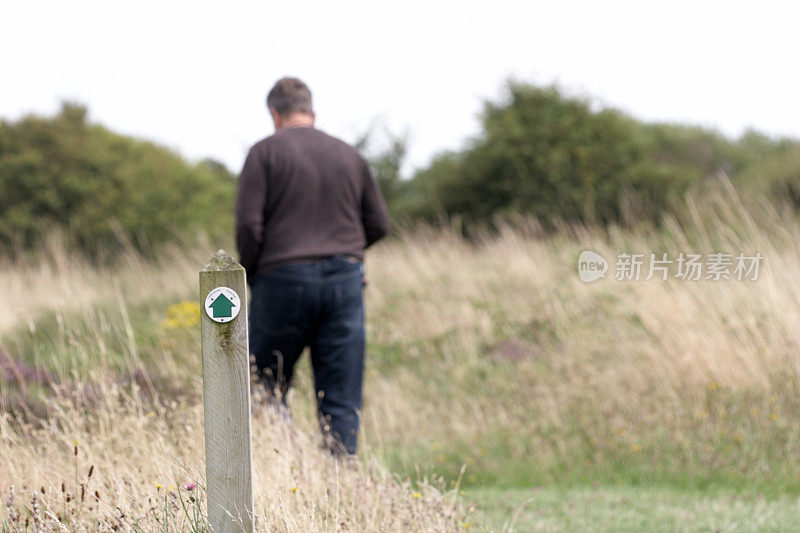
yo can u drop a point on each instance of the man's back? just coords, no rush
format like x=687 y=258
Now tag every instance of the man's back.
x=307 y=208
x=302 y=195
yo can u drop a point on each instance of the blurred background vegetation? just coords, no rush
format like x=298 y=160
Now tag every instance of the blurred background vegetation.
x=545 y=154
x=541 y=153
x=103 y=190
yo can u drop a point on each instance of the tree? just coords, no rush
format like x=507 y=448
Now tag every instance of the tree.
x=101 y=188
x=552 y=156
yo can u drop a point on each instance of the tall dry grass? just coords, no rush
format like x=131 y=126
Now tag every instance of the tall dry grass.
x=508 y=363
x=101 y=417
x=489 y=355
x=57 y=279
x=125 y=464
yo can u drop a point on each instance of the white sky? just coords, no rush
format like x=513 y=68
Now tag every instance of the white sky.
x=194 y=75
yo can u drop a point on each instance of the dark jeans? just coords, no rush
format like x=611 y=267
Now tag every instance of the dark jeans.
x=316 y=304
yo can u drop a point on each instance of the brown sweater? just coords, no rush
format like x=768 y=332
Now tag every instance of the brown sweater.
x=303 y=195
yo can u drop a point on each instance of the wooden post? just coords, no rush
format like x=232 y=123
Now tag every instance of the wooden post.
x=226 y=396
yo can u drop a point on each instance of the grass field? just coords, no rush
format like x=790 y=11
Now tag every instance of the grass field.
x=502 y=393
x=614 y=508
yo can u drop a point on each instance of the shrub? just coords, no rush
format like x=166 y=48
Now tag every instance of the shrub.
x=101 y=188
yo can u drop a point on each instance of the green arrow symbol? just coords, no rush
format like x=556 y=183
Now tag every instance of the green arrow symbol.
x=222 y=307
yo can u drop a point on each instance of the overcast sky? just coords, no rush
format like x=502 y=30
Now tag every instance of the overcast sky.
x=194 y=75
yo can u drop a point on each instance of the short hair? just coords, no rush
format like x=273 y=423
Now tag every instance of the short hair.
x=290 y=95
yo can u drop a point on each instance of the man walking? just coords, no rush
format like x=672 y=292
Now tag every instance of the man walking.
x=307 y=208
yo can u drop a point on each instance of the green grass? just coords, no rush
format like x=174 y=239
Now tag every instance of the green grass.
x=106 y=335
x=622 y=508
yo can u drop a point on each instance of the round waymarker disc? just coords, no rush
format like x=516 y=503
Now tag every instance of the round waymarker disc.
x=222 y=304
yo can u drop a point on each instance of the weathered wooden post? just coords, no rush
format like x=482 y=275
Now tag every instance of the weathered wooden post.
x=226 y=394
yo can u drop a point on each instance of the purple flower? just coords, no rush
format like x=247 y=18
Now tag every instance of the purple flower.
x=189 y=486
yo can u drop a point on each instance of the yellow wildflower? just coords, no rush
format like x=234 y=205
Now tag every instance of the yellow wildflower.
x=183 y=315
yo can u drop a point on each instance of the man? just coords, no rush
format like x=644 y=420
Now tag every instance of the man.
x=307 y=208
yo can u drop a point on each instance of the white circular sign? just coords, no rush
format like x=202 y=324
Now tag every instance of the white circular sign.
x=222 y=304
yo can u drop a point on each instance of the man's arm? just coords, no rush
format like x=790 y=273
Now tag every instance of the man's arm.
x=250 y=201
x=374 y=213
